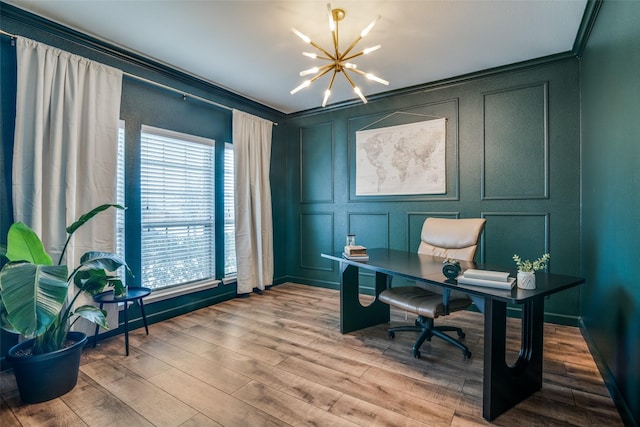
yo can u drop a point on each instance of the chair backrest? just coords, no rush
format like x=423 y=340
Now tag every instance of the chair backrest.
x=451 y=238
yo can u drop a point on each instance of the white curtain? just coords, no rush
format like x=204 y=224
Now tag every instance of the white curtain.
x=253 y=222
x=65 y=148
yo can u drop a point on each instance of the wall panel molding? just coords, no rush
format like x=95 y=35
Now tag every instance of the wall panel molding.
x=507 y=233
x=372 y=229
x=316 y=237
x=515 y=162
x=317 y=163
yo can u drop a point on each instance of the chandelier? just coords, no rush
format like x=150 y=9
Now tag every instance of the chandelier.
x=337 y=62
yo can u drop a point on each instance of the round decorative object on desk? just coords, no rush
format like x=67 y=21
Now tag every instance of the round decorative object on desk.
x=526 y=280
x=451 y=268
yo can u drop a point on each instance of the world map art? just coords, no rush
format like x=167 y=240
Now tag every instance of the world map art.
x=403 y=159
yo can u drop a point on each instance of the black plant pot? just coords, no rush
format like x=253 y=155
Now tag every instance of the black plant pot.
x=46 y=376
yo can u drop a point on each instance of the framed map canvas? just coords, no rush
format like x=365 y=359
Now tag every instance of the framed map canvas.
x=403 y=159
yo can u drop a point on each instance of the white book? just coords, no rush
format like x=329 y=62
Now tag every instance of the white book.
x=356 y=257
x=497 y=276
x=463 y=280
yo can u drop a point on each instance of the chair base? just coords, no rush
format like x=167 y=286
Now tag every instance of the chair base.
x=425 y=326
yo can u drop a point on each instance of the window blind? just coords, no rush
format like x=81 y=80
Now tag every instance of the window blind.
x=120 y=232
x=177 y=204
x=229 y=213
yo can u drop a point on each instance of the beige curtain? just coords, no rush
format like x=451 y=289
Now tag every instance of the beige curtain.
x=65 y=147
x=253 y=222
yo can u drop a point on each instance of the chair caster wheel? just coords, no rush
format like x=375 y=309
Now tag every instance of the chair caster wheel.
x=416 y=354
x=466 y=354
x=461 y=335
x=391 y=334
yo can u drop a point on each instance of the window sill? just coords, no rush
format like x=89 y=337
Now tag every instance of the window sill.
x=163 y=294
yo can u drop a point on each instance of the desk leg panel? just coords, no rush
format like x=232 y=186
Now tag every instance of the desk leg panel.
x=505 y=386
x=353 y=315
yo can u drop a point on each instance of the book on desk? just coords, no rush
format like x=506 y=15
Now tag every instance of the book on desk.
x=487 y=278
x=356 y=253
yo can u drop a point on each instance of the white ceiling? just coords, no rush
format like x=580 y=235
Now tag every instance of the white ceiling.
x=248 y=48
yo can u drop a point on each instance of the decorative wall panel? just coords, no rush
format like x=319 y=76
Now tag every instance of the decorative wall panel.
x=509 y=233
x=315 y=238
x=516 y=143
x=316 y=164
x=371 y=228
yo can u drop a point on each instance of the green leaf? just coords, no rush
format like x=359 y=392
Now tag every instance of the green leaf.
x=33 y=295
x=23 y=244
x=92 y=314
x=92 y=281
x=86 y=217
x=105 y=260
x=118 y=286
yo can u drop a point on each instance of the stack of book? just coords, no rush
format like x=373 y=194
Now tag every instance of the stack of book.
x=357 y=253
x=488 y=278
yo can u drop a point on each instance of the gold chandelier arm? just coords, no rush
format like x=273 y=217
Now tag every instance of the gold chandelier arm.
x=321 y=73
x=363 y=52
x=344 y=71
x=311 y=42
x=333 y=77
x=355 y=42
x=370 y=76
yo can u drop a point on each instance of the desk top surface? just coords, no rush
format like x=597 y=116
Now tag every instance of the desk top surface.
x=428 y=269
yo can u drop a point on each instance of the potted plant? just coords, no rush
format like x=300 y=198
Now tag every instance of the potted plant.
x=526 y=270
x=37 y=301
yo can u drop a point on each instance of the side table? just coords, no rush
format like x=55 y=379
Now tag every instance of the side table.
x=132 y=294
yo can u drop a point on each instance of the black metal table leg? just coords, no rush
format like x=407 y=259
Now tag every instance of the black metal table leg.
x=144 y=316
x=126 y=328
x=507 y=385
x=353 y=315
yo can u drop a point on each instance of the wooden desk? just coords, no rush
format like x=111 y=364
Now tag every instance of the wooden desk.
x=504 y=385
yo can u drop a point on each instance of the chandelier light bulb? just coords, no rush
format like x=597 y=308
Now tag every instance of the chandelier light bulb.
x=358 y=92
x=309 y=71
x=350 y=65
x=302 y=36
x=332 y=23
x=310 y=55
x=371 y=49
x=327 y=94
x=369 y=27
x=304 y=84
x=376 y=79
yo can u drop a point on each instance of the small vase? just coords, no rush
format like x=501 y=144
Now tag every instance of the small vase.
x=526 y=279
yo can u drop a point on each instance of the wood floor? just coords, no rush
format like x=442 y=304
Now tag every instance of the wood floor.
x=279 y=359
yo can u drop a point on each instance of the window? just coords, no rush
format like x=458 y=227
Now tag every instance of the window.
x=120 y=232
x=177 y=204
x=229 y=213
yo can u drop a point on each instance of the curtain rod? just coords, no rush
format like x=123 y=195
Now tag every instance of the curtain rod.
x=184 y=94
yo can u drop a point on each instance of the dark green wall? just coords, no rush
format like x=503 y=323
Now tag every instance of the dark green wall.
x=610 y=88
x=512 y=156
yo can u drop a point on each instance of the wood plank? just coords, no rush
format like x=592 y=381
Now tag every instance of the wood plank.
x=296 y=386
x=153 y=403
x=287 y=408
x=213 y=403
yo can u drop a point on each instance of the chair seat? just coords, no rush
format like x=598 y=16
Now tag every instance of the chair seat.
x=422 y=302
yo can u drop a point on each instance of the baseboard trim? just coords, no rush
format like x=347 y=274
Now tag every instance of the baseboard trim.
x=609 y=379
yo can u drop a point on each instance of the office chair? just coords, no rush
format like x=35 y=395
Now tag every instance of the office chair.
x=446 y=238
